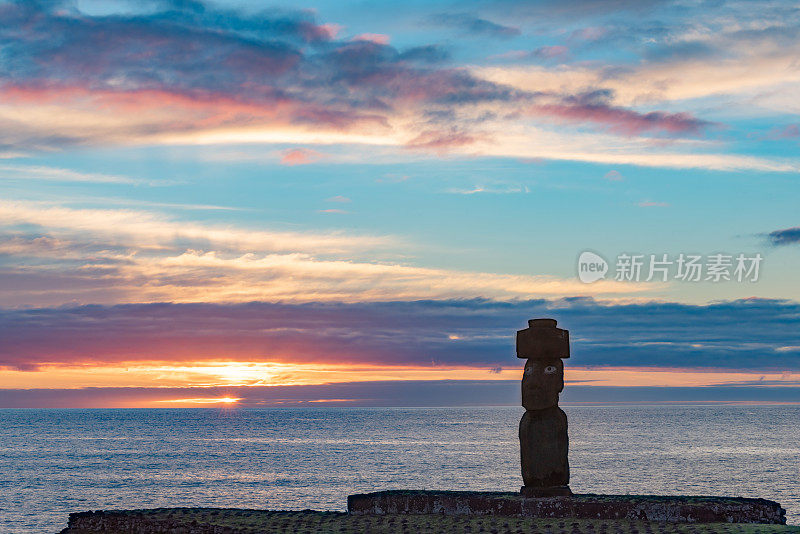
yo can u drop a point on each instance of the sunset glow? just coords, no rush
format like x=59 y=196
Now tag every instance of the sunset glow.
x=322 y=202
x=182 y=403
x=204 y=374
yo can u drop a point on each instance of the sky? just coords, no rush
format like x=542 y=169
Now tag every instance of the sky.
x=358 y=203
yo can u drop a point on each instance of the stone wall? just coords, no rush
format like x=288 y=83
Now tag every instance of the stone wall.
x=121 y=522
x=645 y=508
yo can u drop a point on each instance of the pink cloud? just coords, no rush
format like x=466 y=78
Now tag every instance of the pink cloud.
x=166 y=111
x=299 y=156
x=623 y=121
x=551 y=52
x=281 y=74
x=377 y=38
x=439 y=140
x=328 y=30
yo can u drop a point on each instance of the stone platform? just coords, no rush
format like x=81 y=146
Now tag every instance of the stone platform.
x=672 y=509
x=237 y=521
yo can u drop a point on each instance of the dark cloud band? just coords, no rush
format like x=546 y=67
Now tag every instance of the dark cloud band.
x=399 y=393
x=753 y=334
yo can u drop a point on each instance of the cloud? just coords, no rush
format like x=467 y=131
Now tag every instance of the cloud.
x=613 y=176
x=33 y=172
x=474 y=26
x=80 y=272
x=532 y=143
x=551 y=52
x=390 y=394
x=426 y=54
x=575 y=10
x=155 y=231
x=440 y=140
x=652 y=204
x=123 y=78
x=338 y=198
x=681 y=50
x=589 y=33
x=547 y=53
x=204 y=74
x=787 y=236
x=749 y=64
x=790 y=131
x=378 y=38
x=51 y=255
x=470 y=333
x=492 y=189
x=299 y=156
x=594 y=107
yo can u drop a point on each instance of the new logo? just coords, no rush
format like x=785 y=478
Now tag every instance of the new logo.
x=591 y=267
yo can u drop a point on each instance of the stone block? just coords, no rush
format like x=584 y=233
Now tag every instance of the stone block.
x=543 y=446
x=542 y=340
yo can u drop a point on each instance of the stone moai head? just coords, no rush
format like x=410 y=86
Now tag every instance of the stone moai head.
x=544 y=346
x=542 y=382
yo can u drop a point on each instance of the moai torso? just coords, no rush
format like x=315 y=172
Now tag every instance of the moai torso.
x=543 y=428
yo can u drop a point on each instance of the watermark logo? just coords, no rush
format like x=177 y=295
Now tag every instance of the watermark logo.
x=591 y=267
x=663 y=267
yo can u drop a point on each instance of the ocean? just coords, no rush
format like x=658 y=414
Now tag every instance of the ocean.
x=53 y=462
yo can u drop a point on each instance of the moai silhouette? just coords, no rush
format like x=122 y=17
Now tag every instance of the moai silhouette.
x=543 y=429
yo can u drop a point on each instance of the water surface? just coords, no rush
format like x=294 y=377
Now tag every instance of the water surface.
x=53 y=462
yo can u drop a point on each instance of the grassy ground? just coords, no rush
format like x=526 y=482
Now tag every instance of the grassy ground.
x=312 y=522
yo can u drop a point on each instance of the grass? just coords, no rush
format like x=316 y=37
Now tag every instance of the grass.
x=313 y=522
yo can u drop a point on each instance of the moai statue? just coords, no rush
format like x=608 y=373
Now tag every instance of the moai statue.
x=543 y=430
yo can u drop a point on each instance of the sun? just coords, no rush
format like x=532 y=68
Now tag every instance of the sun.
x=184 y=403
